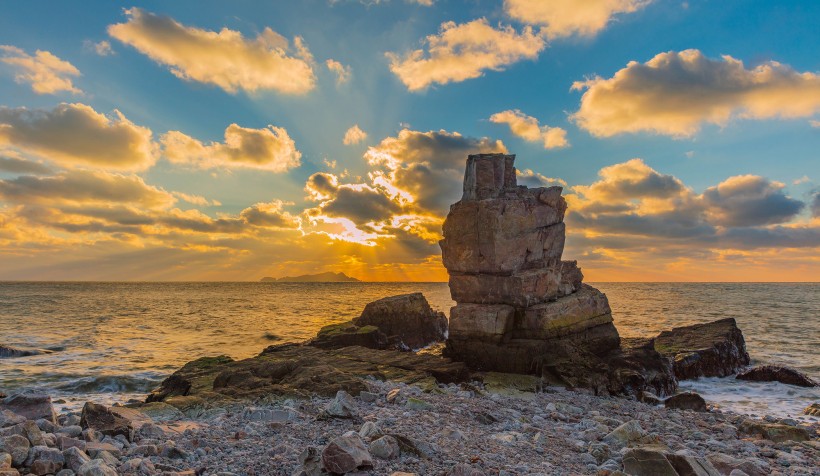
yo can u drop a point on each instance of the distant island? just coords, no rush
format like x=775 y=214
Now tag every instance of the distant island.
x=313 y=278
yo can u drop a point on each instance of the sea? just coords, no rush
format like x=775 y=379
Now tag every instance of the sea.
x=113 y=342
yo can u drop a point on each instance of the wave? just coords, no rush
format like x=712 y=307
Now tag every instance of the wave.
x=107 y=384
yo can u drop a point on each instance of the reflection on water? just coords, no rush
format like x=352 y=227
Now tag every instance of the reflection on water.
x=125 y=337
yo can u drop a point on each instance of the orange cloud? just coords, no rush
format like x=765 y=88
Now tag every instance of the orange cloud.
x=45 y=72
x=561 y=18
x=354 y=135
x=528 y=128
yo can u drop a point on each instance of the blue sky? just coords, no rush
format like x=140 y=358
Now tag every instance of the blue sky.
x=780 y=151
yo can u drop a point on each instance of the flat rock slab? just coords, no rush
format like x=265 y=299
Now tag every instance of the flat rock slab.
x=301 y=370
x=776 y=373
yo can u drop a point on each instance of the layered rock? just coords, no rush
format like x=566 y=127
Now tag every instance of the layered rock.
x=520 y=307
x=714 y=349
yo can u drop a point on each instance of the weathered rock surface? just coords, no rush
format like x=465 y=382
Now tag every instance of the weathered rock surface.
x=300 y=370
x=30 y=405
x=686 y=401
x=774 y=431
x=715 y=349
x=346 y=334
x=407 y=317
x=813 y=409
x=521 y=309
x=345 y=454
x=776 y=373
x=106 y=421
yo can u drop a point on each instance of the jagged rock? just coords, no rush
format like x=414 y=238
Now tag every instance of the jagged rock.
x=106 y=420
x=9 y=418
x=691 y=465
x=96 y=467
x=407 y=317
x=17 y=446
x=813 y=409
x=776 y=373
x=686 y=401
x=725 y=464
x=346 y=334
x=75 y=458
x=645 y=462
x=43 y=460
x=385 y=447
x=346 y=453
x=714 y=349
x=343 y=406
x=33 y=406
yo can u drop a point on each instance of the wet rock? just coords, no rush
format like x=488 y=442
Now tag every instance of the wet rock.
x=346 y=334
x=106 y=421
x=407 y=317
x=774 y=431
x=385 y=447
x=7 y=352
x=686 y=401
x=75 y=458
x=43 y=460
x=343 y=406
x=776 y=373
x=96 y=467
x=33 y=406
x=714 y=349
x=813 y=409
x=346 y=453
x=644 y=462
x=17 y=446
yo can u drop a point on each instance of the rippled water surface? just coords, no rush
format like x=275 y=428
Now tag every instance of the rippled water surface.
x=125 y=337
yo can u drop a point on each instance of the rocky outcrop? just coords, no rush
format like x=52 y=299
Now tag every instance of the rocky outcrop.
x=776 y=373
x=715 y=349
x=30 y=405
x=401 y=322
x=11 y=352
x=520 y=307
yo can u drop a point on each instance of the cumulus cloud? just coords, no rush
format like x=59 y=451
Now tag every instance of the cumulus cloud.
x=75 y=134
x=45 y=72
x=534 y=179
x=749 y=200
x=342 y=72
x=528 y=128
x=674 y=93
x=224 y=58
x=16 y=165
x=464 y=51
x=561 y=18
x=354 y=135
x=269 y=148
x=101 y=48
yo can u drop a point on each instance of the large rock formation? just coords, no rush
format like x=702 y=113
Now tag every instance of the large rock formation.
x=714 y=349
x=520 y=308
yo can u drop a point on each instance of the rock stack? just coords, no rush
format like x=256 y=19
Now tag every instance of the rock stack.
x=520 y=307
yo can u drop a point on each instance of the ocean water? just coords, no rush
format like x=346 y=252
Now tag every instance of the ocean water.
x=115 y=341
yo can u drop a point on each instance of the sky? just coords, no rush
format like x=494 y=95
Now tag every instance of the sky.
x=204 y=140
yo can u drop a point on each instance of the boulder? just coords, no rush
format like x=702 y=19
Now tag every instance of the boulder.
x=726 y=464
x=106 y=421
x=686 y=401
x=775 y=432
x=43 y=460
x=346 y=334
x=7 y=352
x=9 y=418
x=714 y=349
x=691 y=465
x=96 y=467
x=75 y=458
x=33 y=406
x=646 y=462
x=385 y=447
x=813 y=409
x=345 y=454
x=625 y=434
x=776 y=373
x=407 y=317
x=17 y=446
x=343 y=406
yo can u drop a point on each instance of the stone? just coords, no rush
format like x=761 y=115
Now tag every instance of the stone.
x=346 y=334
x=463 y=469
x=625 y=434
x=414 y=446
x=5 y=460
x=9 y=418
x=644 y=462
x=714 y=349
x=17 y=446
x=96 y=467
x=29 y=430
x=311 y=461
x=407 y=317
x=777 y=373
x=368 y=397
x=775 y=432
x=75 y=458
x=813 y=409
x=370 y=431
x=686 y=401
x=343 y=406
x=106 y=420
x=33 y=406
x=482 y=322
x=95 y=448
x=691 y=465
x=151 y=431
x=417 y=404
x=7 y=352
x=726 y=464
x=43 y=460
x=385 y=447
x=66 y=442
x=74 y=431
x=346 y=453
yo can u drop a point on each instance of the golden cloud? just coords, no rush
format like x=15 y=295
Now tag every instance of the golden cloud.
x=561 y=18
x=45 y=72
x=269 y=148
x=461 y=52
x=528 y=128
x=354 y=135
x=341 y=71
x=224 y=58
x=75 y=134
x=674 y=93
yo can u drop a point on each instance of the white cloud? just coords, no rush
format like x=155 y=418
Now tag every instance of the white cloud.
x=269 y=148
x=561 y=18
x=75 y=134
x=354 y=135
x=224 y=58
x=101 y=48
x=341 y=71
x=675 y=93
x=527 y=128
x=465 y=51
x=45 y=72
